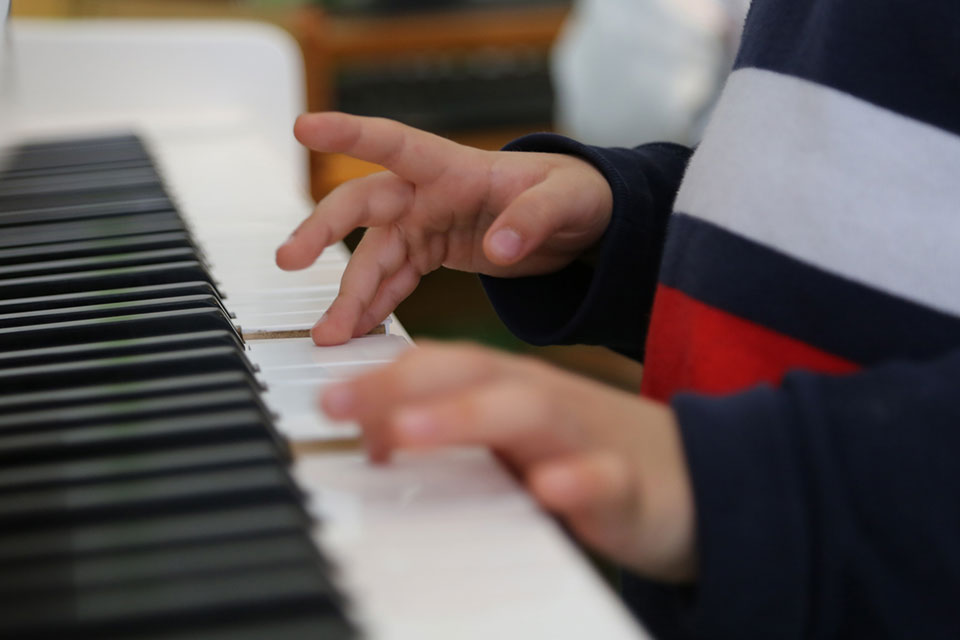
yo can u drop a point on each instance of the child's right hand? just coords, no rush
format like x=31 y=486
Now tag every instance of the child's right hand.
x=498 y=213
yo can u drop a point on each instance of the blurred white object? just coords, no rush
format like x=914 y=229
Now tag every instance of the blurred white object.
x=120 y=73
x=633 y=71
x=6 y=71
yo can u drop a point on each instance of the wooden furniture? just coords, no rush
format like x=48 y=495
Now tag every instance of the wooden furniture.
x=332 y=42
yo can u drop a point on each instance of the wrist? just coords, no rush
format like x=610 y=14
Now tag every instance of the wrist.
x=667 y=519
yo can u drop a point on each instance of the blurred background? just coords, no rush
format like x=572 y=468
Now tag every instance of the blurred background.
x=482 y=72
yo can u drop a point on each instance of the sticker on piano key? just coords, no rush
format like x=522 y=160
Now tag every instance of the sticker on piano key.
x=273 y=325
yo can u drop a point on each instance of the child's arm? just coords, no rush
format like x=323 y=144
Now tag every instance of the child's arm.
x=827 y=508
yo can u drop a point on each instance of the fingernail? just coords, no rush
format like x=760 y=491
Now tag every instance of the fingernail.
x=339 y=400
x=506 y=244
x=416 y=426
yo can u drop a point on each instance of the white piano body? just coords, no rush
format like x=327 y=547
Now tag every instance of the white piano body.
x=434 y=546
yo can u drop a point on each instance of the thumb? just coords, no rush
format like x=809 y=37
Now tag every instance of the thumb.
x=596 y=495
x=526 y=223
x=600 y=498
x=596 y=485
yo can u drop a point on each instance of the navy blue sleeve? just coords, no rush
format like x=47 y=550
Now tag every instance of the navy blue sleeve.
x=828 y=508
x=607 y=303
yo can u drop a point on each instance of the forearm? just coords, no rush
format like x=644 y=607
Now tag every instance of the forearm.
x=827 y=508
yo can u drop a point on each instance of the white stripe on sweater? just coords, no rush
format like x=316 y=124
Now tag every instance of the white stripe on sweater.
x=834 y=181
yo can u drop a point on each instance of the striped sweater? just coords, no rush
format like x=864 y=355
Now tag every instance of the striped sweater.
x=793 y=287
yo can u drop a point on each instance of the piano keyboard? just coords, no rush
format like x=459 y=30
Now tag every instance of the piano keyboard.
x=144 y=489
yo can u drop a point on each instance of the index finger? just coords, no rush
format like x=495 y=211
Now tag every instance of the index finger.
x=412 y=154
x=425 y=371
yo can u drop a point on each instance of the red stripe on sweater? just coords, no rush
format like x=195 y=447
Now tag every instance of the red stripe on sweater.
x=692 y=346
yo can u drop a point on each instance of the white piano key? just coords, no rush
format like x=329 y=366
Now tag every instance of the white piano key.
x=295 y=403
x=258 y=299
x=302 y=354
x=233 y=282
x=261 y=241
x=253 y=272
x=413 y=540
x=273 y=313
x=318 y=374
x=285 y=303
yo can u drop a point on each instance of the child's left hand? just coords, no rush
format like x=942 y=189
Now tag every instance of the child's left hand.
x=609 y=462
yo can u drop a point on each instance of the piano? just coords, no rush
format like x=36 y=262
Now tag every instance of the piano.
x=163 y=470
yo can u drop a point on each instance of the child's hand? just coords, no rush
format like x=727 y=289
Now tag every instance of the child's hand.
x=441 y=203
x=610 y=463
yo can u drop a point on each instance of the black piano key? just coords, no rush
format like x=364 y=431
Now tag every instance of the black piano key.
x=96 y=247
x=28 y=235
x=286 y=627
x=55 y=169
x=148 y=532
x=89 y=145
x=37 y=303
x=94 y=393
x=183 y=492
x=111 y=261
x=129 y=410
x=91 y=229
x=260 y=449
x=67 y=209
x=104 y=164
x=124 y=278
x=91 y=407
x=109 y=310
x=145 y=568
x=26 y=161
x=64 y=205
x=178 y=603
x=173 y=561
x=100 y=440
x=117 y=327
x=117 y=348
x=89 y=180
x=122 y=369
